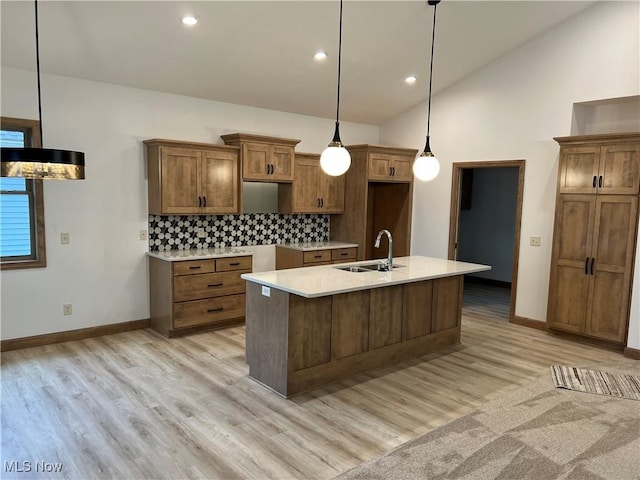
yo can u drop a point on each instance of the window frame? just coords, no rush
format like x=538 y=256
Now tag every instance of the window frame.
x=31 y=129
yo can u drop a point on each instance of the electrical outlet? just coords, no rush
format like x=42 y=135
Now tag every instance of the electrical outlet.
x=67 y=309
x=64 y=239
x=201 y=233
x=143 y=235
x=534 y=241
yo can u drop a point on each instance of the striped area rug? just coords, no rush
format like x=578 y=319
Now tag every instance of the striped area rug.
x=595 y=381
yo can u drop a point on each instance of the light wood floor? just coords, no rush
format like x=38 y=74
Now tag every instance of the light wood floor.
x=137 y=405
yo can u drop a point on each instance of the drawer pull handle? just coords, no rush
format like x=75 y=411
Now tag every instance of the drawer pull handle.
x=600 y=181
x=593 y=259
x=234 y=264
x=586 y=266
x=594 y=181
x=215 y=284
x=344 y=254
x=213 y=310
x=195 y=268
x=317 y=256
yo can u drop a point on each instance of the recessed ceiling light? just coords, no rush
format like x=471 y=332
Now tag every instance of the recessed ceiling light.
x=189 y=20
x=320 y=55
x=411 y=79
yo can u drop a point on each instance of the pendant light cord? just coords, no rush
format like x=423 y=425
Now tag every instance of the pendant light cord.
x=38 y=75
x=339 y=65
x=433 y=39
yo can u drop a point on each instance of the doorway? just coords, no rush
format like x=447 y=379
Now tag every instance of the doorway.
x=485 y=228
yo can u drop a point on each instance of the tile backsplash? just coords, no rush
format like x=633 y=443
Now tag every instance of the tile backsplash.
x=182 y=232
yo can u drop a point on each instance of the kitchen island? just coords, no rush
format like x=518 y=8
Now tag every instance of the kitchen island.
x=306 y=327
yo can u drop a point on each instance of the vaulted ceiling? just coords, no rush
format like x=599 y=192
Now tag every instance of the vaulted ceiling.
x=260 y=53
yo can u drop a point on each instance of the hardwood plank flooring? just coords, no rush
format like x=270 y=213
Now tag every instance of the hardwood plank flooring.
x=139 y=405
x=491 y=301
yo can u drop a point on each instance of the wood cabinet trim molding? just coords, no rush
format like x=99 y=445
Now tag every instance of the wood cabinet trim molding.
x=237 y=138
x=185 y=144
x=600 y=139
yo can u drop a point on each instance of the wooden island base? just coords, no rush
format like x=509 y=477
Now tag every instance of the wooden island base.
x=295 y=344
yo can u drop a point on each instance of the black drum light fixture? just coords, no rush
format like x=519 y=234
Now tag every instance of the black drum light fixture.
x=335 y=159
x=42 y=163
x=426 y=166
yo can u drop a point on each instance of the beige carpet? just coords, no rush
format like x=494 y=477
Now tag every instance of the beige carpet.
x=538 y=432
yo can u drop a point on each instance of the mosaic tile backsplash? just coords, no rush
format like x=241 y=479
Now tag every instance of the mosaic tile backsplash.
x=180 y=232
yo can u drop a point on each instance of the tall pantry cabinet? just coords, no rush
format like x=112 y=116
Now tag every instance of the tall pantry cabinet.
x=594 y=239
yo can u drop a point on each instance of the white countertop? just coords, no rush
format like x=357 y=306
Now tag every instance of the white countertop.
x=326 y=280
x=199 y=254
x=310 y=246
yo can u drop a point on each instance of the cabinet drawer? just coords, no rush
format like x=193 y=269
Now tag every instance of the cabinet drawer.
x=196 y=287
x=201 y=312
x=233 y=263
x=343 y=254
x=316 y=256
x=193 y=266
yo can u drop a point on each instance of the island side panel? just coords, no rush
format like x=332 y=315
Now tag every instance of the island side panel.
x=267 y=321
x=447 y=303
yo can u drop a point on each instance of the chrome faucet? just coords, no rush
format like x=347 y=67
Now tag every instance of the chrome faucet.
x=389 y=266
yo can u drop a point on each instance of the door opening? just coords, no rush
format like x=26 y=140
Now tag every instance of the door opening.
x=485 y=217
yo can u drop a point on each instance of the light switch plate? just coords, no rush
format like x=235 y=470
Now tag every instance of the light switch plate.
x=64 y=239
x=266 y=291
x=535 y=241
x=143 y=235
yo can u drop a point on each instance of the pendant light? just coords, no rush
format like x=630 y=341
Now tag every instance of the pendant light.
x=41 y=162
x=335 y=159
x=426 y=166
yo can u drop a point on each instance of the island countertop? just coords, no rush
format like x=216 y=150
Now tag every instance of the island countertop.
x=320 y=281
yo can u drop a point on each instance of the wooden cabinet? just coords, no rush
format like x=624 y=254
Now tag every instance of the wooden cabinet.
x=295 y=344
x=594 y=236
x=188 y=178
x=390 y=167
x=377 y=198
x=264 y=159
x=192 y=294
x=288 y=257
x=610 y=168
x=312 y=190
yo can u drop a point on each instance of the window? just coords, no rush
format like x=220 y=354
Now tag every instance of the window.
x=22 y=242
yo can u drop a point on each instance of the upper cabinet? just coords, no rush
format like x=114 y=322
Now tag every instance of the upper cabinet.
x=387 y=164
x=378 y=194
x=192 y=178
x=264 y=159
x=611 y=167
x=312 y=190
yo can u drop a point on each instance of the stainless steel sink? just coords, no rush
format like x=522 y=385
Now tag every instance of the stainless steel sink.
x=367 y=267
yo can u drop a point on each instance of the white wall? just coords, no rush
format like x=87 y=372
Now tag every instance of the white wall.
x=512 y=109
x=103 y=272
x=486 y=232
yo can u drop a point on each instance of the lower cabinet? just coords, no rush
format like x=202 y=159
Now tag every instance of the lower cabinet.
x=294 y=258
x=192 y=294
x=328 y=329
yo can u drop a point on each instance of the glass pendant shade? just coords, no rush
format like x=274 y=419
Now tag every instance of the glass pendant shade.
x=42 y=163
x=335 y=159
x=426 y=166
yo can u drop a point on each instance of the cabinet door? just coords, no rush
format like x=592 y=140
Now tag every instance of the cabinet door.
x=379 y=166
x=611 y=271
x=281 y=163
x=569 y=282
x=402 y=168
x=331 y=193
x=447 y=298
x=306 y=196
x=385 y=323
x=417 y=309
x=219 y=185
x=179 y=180
x=619 y=171
x=255 y=158
x=579 y=169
